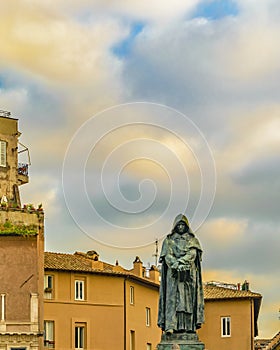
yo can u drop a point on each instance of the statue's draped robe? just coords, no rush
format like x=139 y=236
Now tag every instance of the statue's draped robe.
x=181 y=304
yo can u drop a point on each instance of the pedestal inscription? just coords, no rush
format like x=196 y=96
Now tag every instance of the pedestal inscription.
x=182 y=341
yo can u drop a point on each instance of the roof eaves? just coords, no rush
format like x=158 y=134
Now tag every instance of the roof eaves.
x=107 y=273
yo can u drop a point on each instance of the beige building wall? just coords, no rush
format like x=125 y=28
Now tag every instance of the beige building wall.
x=101 y=312
x=102 y=323
x=108 y=312
x=240 y=312
x=141 y=321
x=120 y=307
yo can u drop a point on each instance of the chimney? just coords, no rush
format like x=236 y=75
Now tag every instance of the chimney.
x=154 y=274
x=92 y=254
x=138 y=267
x=245 y=285
x=118 y=267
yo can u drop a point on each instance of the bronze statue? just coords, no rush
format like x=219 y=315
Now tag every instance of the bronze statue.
x=181 y=304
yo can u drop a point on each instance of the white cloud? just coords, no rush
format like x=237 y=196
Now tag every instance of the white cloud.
x=15 y=99
x=153 y=11
x=224 y=232
x=255 y=134
x=57 y=48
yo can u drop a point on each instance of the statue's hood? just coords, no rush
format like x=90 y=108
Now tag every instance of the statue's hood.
x=180 y=217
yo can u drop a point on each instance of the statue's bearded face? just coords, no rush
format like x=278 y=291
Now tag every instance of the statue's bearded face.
x=181 y=227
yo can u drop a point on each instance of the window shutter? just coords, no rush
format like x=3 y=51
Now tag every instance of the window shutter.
x=3 y=158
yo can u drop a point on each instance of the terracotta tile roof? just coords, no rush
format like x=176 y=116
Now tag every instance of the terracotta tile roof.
x=260 y=343
x=274 y=343
x=66 y=262
x=78 y=262
x=82 y=263
x=214 y=292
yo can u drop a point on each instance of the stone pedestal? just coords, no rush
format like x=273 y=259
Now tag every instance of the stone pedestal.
x=180 y=341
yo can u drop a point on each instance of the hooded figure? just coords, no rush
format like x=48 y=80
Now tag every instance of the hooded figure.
x=181 y=303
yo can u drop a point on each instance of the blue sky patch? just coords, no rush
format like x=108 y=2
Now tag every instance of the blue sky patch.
x=216 y=9
x=123 y=48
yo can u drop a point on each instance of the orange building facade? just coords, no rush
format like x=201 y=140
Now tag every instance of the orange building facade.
x=231 y=317
x=90 y=304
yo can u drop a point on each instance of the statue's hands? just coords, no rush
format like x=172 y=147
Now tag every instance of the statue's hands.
x=184 y=266
x=175 y=265
x=180 y=266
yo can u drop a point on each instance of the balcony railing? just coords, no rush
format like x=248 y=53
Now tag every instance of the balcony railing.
x=23 y=169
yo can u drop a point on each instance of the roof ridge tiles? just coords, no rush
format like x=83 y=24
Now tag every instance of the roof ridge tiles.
x=219 y=292
x=75 y=262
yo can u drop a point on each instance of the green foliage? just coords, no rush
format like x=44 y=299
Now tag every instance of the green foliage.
x=17 y=230
x=30 y=207
x=8 y=225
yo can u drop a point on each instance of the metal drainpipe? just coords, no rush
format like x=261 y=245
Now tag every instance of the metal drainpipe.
x=124 y=310
x=252 y=328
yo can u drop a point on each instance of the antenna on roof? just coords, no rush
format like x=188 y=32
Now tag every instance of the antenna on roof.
x=156 y=252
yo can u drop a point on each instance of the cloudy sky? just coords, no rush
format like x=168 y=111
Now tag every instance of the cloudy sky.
x=134 y=111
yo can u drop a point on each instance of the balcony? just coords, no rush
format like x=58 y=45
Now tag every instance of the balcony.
x=23 y=173
x=23 y=169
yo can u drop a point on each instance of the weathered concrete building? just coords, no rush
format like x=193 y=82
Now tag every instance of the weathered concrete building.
x=21 y=250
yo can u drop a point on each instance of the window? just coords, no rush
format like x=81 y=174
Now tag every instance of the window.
x=225 y=326
x=148 y=316
x=48 y=286
x=79 y=336
x=132 y=340
x=49 y=334
x=3 y=154
x=79 y=290
x=3 y=304
x=149 y=346
x=131 y=295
